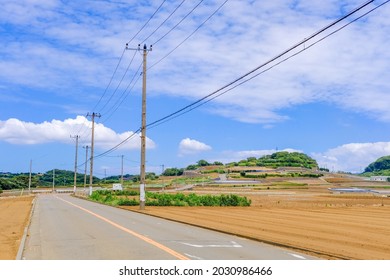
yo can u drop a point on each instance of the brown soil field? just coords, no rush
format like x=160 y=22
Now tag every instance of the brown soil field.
x=14 y=216
x=313 y=221
x=308 y=219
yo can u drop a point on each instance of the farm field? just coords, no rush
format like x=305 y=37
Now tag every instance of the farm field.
x=299 y=214
x=312 y=220
x=14 y=215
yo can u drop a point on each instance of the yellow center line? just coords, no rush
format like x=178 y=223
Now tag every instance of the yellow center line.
x=142 y=237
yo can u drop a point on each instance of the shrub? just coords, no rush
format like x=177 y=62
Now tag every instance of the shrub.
x=165 y=199
x=127 y=202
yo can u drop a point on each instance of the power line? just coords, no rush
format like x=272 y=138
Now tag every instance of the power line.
x=112 y=77
x=199 y=101
x=123 y=96
x=171 y=14
x=176 y=25
x=121 y=99
x=102 y=96
x=189 y=36
x=120 y=82
x=228 y=87
x=116 y=69
x=146 y=22
x=118 y=145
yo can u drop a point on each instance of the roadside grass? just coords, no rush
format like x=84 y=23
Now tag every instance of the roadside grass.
x=131 y=198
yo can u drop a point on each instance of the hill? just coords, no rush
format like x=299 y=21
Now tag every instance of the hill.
x=275 y=160
x=379 y=167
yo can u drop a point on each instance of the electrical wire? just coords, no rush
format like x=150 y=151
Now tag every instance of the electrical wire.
x=146 y=23
x=119 y=84
x=101 y=97
x=260 y=66
x=112 y=77
x=164 y=21
x=118 y=145
x=177 y=24
x=232 y=85
x=189 y=36
x=123 y=96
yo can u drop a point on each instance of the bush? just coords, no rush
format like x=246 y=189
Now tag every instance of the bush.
x=127 y=202
x=165 y=199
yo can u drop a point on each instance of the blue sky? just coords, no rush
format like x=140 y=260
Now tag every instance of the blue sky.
x=60 y=60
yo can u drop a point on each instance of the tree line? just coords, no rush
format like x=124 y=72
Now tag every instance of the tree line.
x=10 y=181
x=275 y=160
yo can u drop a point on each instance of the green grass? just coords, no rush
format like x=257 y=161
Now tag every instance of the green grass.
x=130 y=198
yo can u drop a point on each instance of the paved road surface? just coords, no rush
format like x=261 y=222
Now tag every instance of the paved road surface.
x=68 y=228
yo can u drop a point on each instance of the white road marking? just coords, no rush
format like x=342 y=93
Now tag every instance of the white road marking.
x=193 y=257
x=297 y=256
x=232 y=245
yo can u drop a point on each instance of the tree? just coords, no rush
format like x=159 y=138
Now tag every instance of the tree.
x=202 y=162
x=173 y=172
x=192 y=167
x=382 y=163
x=284 y=158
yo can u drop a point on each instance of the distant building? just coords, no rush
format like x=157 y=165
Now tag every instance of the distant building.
x=379 y=178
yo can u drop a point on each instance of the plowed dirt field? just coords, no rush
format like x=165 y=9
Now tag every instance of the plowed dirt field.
x=311 y=220
x=14 y=216
x=343 y=226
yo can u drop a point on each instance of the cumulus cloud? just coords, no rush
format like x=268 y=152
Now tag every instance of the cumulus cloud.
x=189 y=146
x=353 y=157
x=15 y=131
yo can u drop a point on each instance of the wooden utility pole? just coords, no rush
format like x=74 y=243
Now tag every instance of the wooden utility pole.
x=122 y=172
x=93 y=115
x=85 y=166
x=143 y=128
x=75 y=164
x=54 y=178
x=29 y=177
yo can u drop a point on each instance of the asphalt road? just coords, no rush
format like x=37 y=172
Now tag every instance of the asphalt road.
x=67 y=228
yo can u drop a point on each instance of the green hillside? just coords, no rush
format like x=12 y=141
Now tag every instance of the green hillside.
x=380 y=167
x=275 y=160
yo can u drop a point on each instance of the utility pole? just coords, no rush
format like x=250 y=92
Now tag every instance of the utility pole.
x=92 y=149
x=143 y=127
x=29 y=177
x=75 y=164
x=85 y=167
x=122 y=172
x=54 y=175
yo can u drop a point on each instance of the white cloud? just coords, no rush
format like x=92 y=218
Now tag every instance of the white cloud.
x=189 y=146
x=353 y=157
x=71 y=44
x=346 y=69
x=15 y=131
